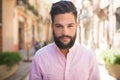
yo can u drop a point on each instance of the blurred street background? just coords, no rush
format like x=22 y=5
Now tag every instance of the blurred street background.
x=25 y=24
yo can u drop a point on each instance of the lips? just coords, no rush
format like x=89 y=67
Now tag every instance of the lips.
x=65 y=39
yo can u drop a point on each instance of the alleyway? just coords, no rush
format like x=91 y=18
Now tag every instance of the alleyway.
x=28 y=22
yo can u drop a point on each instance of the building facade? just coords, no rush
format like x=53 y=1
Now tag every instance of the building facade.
x=21 y=24
x=0 y=25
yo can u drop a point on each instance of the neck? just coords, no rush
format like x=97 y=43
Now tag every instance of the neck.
x=64 y=51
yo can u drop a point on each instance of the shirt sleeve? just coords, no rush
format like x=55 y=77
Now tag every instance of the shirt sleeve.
x=94 y=71
x=35 y=71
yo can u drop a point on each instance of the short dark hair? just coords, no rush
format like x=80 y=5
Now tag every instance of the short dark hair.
x=62 y=7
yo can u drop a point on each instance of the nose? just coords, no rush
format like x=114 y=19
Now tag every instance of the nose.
x=65 y=31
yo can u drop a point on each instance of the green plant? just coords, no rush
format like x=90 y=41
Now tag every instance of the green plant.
x=10 y=58
x=110 y=57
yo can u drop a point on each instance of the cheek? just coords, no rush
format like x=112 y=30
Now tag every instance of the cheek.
x=57 y=33
x=73 y=32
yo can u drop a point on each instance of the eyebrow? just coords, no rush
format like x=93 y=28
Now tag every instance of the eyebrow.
x=61 y=24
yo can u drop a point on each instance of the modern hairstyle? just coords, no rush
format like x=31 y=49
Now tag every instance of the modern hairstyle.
x=63 y=7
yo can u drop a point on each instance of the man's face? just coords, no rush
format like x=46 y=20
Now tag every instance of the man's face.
x=64 y=30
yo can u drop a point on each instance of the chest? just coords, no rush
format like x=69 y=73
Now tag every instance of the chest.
x=68 y=69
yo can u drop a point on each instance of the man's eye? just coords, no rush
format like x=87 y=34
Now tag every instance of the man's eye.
x=70 y=25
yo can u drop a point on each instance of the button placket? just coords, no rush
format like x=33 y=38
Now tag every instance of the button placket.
x=67 y=69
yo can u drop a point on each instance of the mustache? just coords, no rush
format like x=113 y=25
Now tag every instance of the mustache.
x=65 y=36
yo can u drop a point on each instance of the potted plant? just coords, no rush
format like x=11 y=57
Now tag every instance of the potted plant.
x=112 y=62
x=8 y=63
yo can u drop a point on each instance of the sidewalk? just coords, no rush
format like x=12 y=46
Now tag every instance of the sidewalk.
x=24 y=66
x=21 y=72
x=104 y=74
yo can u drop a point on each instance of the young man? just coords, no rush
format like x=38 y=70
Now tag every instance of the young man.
x=64 y=59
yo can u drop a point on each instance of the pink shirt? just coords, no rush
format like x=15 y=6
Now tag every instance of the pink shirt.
x=50 y=64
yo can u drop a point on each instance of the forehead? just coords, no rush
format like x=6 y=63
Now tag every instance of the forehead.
x=64 y=18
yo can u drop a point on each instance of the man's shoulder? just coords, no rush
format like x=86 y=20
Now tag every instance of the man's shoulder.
x=49 y=46
x=83 y=49
x=80 y=46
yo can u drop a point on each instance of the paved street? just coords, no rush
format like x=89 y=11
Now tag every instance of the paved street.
x=22 y=70
x=104 y=74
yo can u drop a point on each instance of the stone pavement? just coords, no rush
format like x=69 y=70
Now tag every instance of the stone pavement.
x=104 y=74
x=23 y=69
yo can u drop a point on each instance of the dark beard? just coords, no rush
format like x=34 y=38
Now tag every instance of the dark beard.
x=62 y=45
